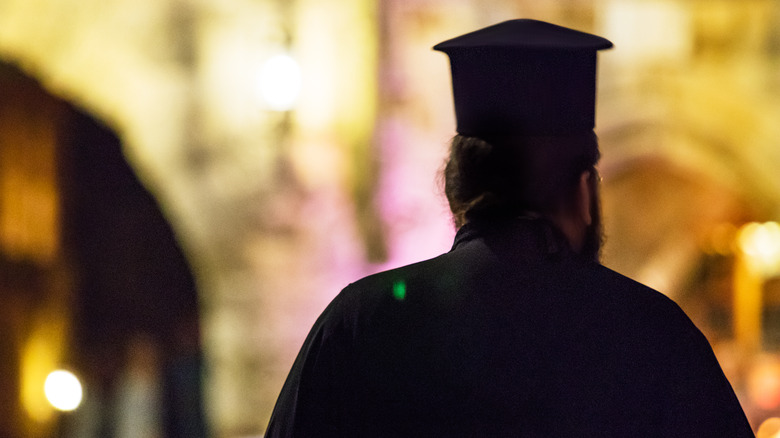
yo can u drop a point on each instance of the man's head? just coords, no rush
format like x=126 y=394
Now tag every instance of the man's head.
x=524 y=94
x=497 y=180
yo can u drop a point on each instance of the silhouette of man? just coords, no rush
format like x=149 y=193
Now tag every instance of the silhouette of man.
x=517 y=331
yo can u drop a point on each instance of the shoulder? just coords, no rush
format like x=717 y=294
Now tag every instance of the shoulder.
x=393 y=283
x=618 y=288
x=660 y=346
x=340 y=319
x=647 y=311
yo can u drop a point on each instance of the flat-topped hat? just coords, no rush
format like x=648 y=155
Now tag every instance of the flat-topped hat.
x=524 y=78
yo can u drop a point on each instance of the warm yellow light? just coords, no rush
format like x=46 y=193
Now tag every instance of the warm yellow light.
x=769 y=428
x=280 y=82
x=41 y=354
x=63 y=390
x=761 y=245
x=651 y=30
x=722 y=239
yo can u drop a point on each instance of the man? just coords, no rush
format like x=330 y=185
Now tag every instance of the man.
x=518 y=331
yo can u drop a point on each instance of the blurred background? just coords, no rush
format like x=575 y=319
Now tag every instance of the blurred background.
x=185 y=184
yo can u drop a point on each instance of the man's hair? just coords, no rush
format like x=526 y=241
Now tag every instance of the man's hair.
x=512 y=176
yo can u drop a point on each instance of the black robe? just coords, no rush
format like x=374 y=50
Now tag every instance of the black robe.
x=507 y=335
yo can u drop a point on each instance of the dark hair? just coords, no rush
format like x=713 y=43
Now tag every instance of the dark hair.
x=511 y=176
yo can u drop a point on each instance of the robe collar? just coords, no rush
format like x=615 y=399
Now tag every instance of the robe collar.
x=529 y=236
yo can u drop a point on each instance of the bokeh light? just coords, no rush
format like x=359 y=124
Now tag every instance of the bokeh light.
x=280 y=82
x=63 y=390
x=399 y=290
x=769 y=428
x=761 y=243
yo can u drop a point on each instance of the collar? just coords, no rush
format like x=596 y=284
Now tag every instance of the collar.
x=527 y=235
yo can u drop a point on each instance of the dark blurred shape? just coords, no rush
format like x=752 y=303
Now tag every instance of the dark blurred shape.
x=80 y=234
x=183 y=396
x=132 y=273
x=133 y=276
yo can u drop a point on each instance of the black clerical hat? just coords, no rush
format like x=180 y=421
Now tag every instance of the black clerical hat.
x=524 y=77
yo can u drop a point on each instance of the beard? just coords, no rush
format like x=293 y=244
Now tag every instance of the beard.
x=594 y=234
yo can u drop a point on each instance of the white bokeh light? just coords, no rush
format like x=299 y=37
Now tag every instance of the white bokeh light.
x=279 y=83
x=63 y=390
x=761 y=245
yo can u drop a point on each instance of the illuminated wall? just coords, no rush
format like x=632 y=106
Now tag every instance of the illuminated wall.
x=275 y=209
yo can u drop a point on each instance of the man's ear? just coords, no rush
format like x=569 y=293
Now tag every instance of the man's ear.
x=584 y=197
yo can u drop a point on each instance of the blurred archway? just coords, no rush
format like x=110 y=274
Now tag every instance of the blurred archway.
x=89 y=263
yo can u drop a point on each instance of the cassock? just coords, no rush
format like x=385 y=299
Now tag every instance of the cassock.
x=509 y=334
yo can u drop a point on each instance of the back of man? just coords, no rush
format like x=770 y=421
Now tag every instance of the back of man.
x=506 y=335
x=518 y=331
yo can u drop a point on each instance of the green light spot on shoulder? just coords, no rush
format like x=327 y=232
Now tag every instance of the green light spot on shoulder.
x=399 y=290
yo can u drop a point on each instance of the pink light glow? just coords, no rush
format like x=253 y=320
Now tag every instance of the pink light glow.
x=410 y=200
